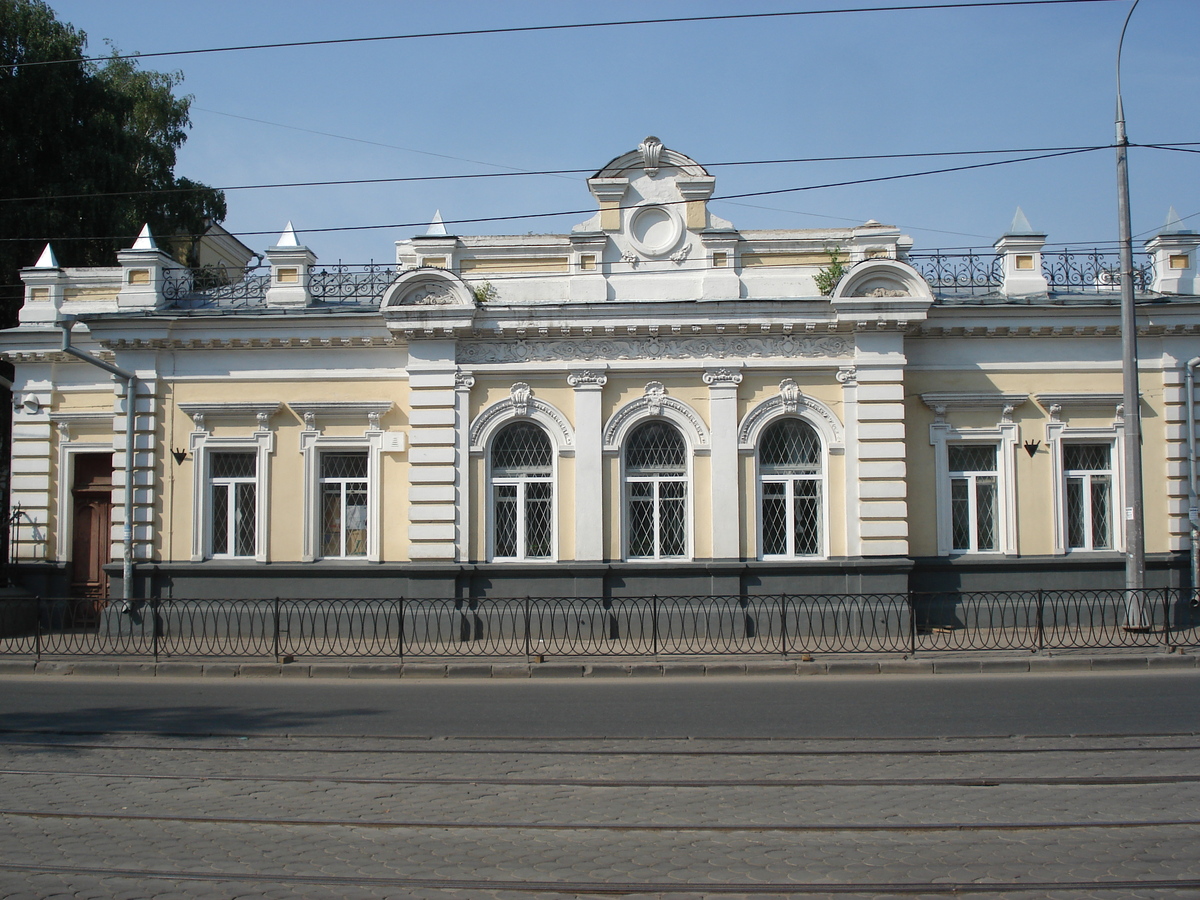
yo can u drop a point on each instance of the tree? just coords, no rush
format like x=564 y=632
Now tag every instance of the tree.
x=87 y=151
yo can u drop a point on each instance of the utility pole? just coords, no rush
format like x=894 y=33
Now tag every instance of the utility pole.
x=1133 y=518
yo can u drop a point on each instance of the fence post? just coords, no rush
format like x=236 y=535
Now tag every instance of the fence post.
x=783 y=644
x=37 y=633
x=400 y=629
x=275 y=632
x=154 y=626
x=1041 y=620
x=912 y=624
x=1166 y=633
x=654 y=623
x=527 y=627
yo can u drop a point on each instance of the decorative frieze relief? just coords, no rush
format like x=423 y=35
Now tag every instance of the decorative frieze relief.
x=655 y=347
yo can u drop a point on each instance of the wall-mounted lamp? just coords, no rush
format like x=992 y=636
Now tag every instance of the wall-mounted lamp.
x=180 y=456
x=1031 y=447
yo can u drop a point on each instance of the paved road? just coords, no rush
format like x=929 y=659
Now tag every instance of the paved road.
x=764 y=707
x=1020 y=787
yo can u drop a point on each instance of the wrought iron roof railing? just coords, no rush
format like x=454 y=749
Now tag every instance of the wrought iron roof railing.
x=215 y=287
x=1069 y=271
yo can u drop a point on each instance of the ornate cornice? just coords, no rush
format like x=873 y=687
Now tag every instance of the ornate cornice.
x=260 y=410
x=944 y=402
x=312 y=410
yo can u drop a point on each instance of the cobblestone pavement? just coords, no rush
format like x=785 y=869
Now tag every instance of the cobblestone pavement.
x=133 y=816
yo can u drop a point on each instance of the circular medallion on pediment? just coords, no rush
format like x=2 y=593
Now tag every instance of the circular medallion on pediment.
x=654 y=230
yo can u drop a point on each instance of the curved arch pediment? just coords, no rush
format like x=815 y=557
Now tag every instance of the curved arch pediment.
x=510 y=409
x=647 y=157
x=801 y=406
x=881 y=278
x=427 y=286
x=656 y=404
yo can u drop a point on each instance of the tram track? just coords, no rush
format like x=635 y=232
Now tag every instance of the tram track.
x=789 y=888
x=1087 y=781
x=762 y=828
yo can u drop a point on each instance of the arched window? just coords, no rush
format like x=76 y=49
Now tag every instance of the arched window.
x=656 y=492
x=789 y=474
x=522 y=493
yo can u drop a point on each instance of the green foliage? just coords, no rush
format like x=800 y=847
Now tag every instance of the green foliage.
x=827 y=278
x=105 y=134
x=484 y=291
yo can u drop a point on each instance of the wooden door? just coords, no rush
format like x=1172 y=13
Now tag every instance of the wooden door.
x=91 y=545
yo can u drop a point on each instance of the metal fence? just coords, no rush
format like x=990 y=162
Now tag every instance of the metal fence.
x=780 y=625
x=1069 y=271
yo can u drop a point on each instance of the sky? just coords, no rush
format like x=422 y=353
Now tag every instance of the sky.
x=850 y=84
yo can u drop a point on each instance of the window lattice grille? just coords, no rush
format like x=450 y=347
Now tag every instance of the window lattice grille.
x=972 y=457
x=344 y=465
x=656 y=448
x=1086 y=457
x=521 y=449
x=233 y=465
x=790 y=446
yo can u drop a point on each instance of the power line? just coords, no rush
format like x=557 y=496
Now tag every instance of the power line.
x=590 y=212
x=525 y=173
x=564 y=27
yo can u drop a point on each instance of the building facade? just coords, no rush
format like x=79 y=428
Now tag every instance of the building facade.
x=656 y=402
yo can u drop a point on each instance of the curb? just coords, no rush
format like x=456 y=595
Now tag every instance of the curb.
x=607 y=669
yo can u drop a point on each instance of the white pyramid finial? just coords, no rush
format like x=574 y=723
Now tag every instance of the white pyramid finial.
x=47 y=260
x=288 y=238
x=1020 y=224
x=1174 y=224
x=145 y=240
x=437 y=226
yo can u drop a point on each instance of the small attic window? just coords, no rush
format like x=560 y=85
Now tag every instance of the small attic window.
x=1180 y=261
x=139 y=276
x=1025 y=262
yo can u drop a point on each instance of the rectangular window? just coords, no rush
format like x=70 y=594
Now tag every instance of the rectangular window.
x=1087 y=469
x=343 y=504
x=973 y=497
x=233 y=501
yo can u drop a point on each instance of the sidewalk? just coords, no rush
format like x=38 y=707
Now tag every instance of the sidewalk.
x=945 y=663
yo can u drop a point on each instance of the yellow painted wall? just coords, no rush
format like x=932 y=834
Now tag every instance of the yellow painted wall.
x=287 y=462
x=1034 y=475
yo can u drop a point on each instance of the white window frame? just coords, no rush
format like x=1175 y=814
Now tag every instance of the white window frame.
x=203 y=445
x=1005 y=437
x=657 y=403
x=1058 y=432
x=1086 y=494
x=521 y=481
x=972 y=478
x=658 y=480
x=822 y=480
x=313 y=444
x=343 y=485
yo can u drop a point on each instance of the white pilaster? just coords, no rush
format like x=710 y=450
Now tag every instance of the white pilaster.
x=463 y=382
x=723 y=422
x=589 y=463
x=433 y=527
x=880 y=445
